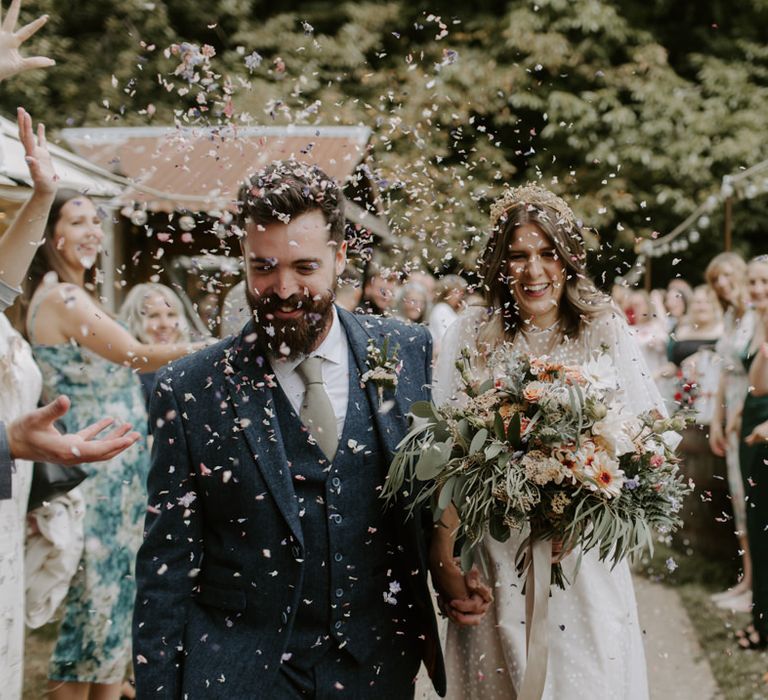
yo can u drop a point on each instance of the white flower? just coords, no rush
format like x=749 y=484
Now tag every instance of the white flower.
x=615 y=430
x=600 y=372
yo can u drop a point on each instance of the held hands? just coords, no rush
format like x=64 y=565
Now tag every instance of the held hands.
x=463 y=598
x=37 y=156
x=11 y=61
x=34 y=436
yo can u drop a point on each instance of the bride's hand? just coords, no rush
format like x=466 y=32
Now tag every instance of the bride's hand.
x=449 y=579
x=463 y=598
x=470 y=611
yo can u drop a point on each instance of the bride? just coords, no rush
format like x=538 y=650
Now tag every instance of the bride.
x=539 y=300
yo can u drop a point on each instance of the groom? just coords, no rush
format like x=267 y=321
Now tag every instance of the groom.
x=270 y=568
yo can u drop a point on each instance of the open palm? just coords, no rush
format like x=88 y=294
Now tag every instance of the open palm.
x=11 y=60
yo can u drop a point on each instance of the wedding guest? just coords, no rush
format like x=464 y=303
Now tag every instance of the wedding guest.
x=425 y=280
x=677 y=299
x=541 y=301
x=30 y=434
x=154 y=314
x=413 y=303
x=83 y=352
x=20 y=386
x=753 y=457
x=650 y=331
x=379 y=291
x=727 y=274
x=207 y=308
x=349 y=293
x=449 y=300
x=690 y=352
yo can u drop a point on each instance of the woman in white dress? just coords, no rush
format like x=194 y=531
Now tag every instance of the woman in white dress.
x=20 y=385
x=539 y=300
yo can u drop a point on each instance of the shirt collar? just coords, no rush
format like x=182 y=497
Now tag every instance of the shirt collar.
x=331 y=349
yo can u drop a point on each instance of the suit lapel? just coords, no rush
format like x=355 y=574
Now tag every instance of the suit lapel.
x=393 y=424
x=249 y=382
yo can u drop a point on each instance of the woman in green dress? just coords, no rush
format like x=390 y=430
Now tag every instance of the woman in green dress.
x=753 y=457
x=84 y=353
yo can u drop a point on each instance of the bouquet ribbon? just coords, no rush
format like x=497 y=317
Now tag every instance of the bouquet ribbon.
x=539 y=556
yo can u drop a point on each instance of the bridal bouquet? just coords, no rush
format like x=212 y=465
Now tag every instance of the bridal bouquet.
x=546 y=445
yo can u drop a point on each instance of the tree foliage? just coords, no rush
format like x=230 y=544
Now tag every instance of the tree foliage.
x=633 y=110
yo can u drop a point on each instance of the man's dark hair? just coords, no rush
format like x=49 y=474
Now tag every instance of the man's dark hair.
x=287 y=189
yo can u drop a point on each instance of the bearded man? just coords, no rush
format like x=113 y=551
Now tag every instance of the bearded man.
x=270 y=568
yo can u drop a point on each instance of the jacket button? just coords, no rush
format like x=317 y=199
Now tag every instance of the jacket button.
x=336 y=481
x=339 y=592
x=338 y=625
x=336 y=518
x=337 y=556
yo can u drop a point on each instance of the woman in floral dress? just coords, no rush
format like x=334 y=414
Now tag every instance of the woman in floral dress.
x=85 y=354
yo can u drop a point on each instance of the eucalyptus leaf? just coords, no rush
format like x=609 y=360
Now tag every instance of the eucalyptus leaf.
x=493 y=450
x=446 y=493
x=430 y=463
x=467 y=556
x=478 y=441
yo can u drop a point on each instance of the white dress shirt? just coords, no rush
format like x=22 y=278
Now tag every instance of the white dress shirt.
x=335 y=353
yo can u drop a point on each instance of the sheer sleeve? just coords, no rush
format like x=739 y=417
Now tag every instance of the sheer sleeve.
x=462 y=333
x=610 y=332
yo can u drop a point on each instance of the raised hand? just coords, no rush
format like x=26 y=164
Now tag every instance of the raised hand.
x=11 y=61
x=34 y=436
x=37 y=156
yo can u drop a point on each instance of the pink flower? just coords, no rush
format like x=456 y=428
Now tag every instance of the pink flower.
x=657 y=461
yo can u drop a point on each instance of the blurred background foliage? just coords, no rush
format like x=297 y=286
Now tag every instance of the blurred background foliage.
x=633 y=109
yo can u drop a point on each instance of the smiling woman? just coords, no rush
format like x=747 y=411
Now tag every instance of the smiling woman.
x=534 y=268
x=84 y=353
x=540 y=302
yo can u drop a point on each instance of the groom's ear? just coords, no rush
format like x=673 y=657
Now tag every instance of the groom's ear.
x=340 y=259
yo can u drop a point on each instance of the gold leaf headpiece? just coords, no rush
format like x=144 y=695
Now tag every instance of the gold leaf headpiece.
x=532 y=195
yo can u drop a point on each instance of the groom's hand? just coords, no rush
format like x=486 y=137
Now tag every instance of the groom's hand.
x=470 y=610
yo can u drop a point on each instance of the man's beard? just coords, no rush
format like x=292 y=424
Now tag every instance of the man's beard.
x=290 y=338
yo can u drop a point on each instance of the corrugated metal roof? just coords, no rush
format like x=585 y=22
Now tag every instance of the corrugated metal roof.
x=201 y=169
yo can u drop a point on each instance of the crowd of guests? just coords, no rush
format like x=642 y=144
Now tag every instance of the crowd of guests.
x=704 y=345
x=707 y=347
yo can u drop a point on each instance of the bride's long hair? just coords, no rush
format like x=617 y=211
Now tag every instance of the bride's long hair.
x=581 y=300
